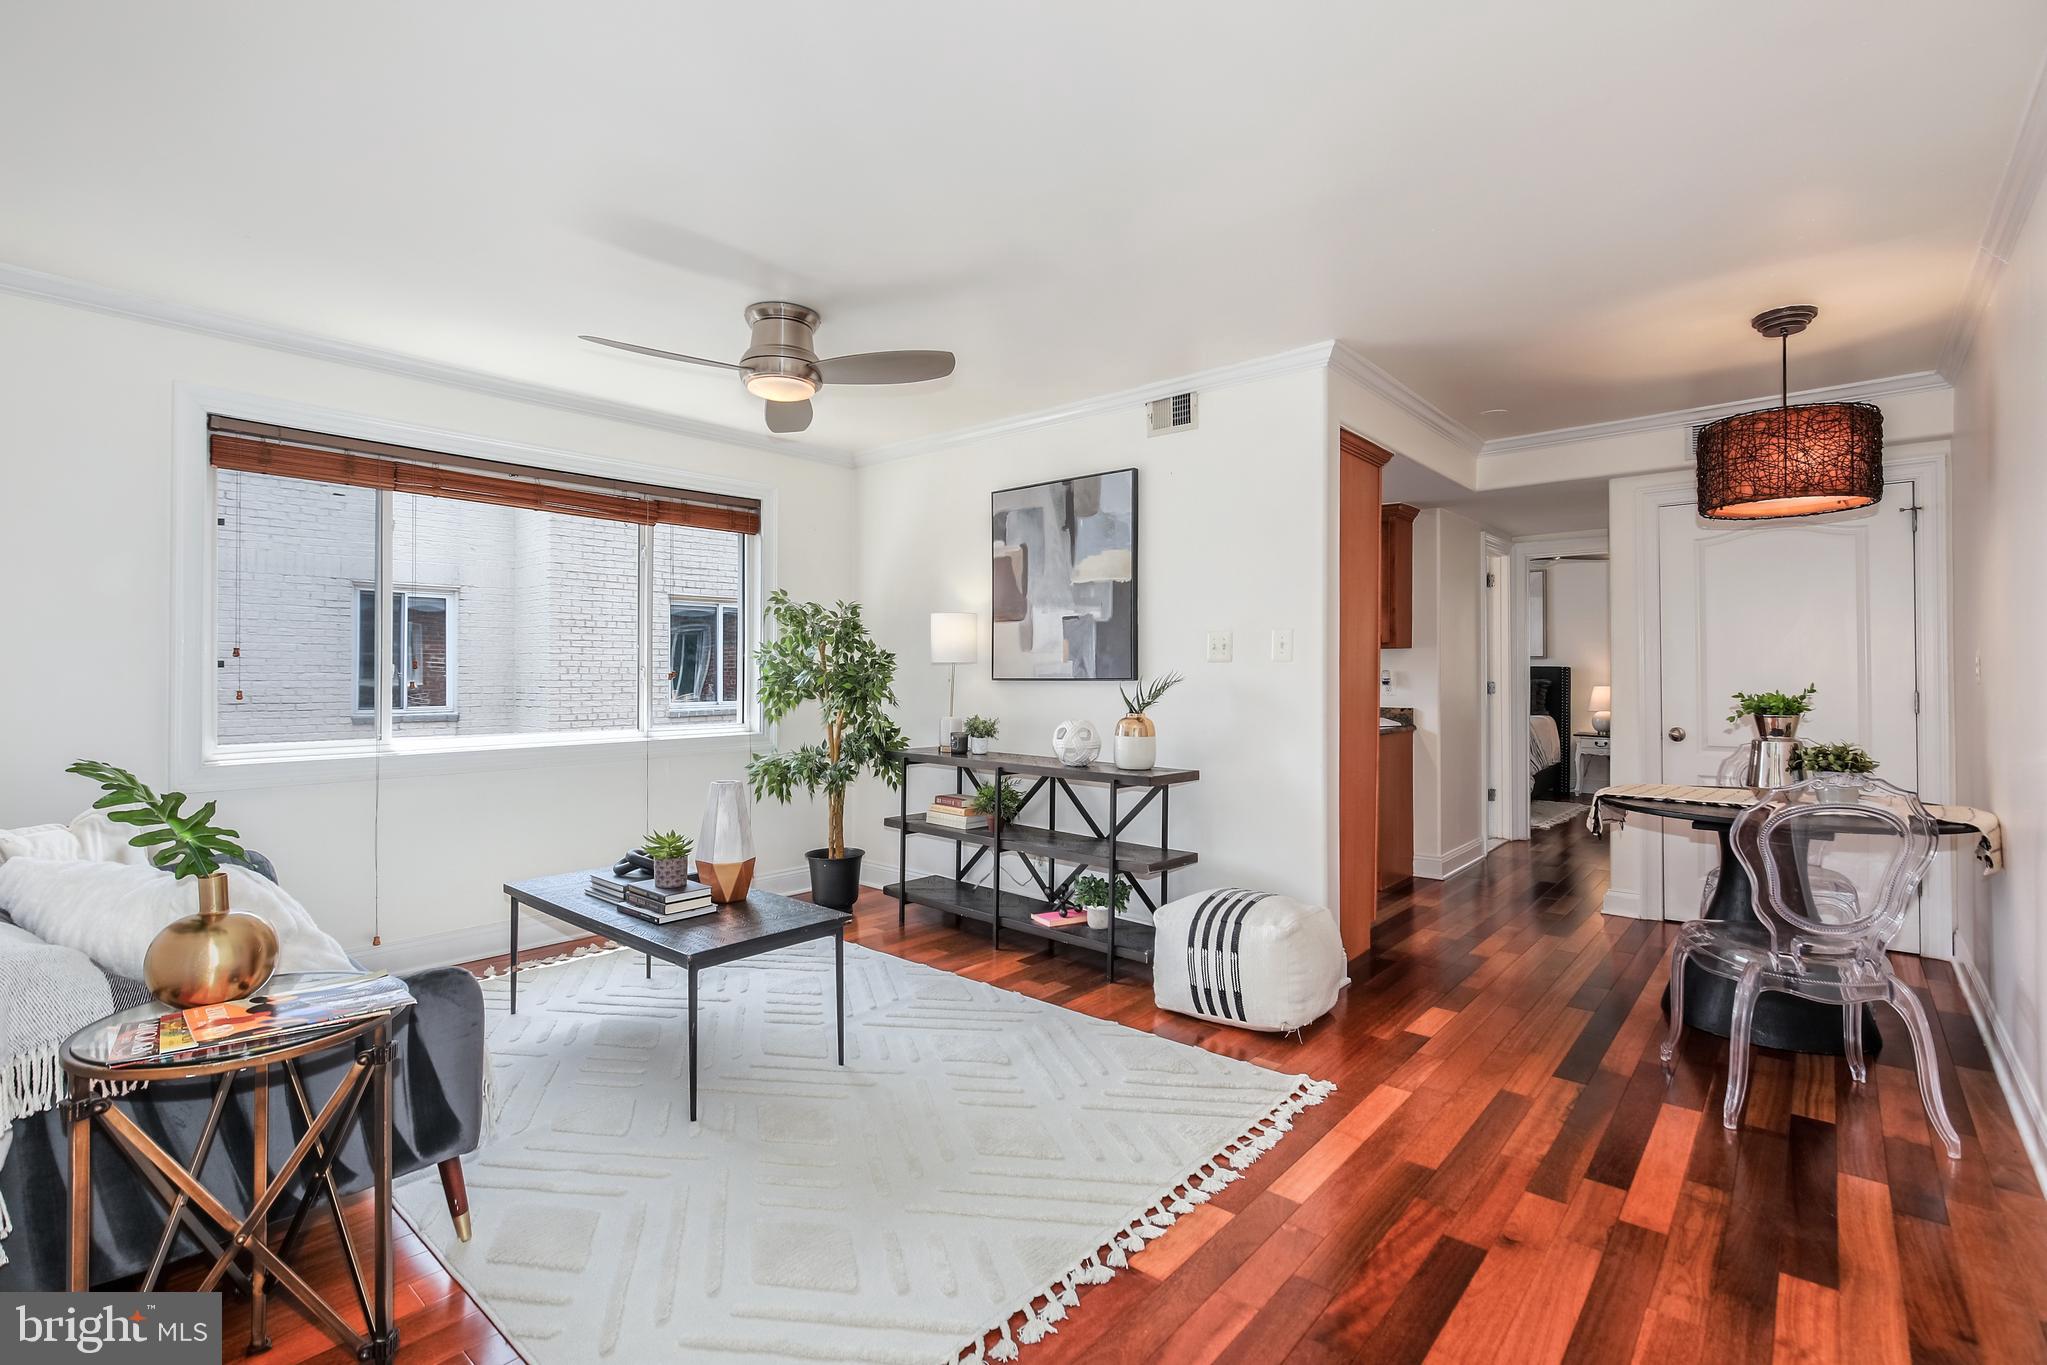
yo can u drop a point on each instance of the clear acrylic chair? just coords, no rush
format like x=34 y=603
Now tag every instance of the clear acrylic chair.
x=1733 y=772
x=1834 y=863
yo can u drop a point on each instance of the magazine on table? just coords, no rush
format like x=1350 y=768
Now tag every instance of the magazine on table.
x=265 y=1017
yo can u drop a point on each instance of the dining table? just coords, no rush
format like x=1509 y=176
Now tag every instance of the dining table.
x=1780 y=1021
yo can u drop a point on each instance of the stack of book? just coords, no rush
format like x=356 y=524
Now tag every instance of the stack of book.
x=955 y=810
x=606 y=887
x=666 y=907
x=211 y=1031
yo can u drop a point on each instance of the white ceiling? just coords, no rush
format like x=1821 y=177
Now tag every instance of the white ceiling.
x=1565 y=210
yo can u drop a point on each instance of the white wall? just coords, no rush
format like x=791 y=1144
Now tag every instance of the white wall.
x=1233 y=535
x=1577 y=634
x=86 y=480
x=1443 y=678
x=1999 y=488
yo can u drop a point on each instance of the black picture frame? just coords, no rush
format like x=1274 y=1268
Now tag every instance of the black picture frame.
x=1126 y=665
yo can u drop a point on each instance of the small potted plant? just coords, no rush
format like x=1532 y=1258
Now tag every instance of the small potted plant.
x=1851 y=759
x=981 y=729
x=1012 y=799
x=1091 y=893
x=1775 y=714
x=1136 y=737
x=822 y=654
x=670 y=854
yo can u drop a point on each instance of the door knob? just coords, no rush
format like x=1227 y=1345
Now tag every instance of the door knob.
x=1677 y=734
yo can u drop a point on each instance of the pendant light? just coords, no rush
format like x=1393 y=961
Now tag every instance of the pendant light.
x=1790 y=461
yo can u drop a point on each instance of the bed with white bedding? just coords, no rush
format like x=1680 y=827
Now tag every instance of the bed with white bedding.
x=1549 y=720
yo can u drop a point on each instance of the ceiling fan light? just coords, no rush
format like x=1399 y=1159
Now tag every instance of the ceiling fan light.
x=780 y=388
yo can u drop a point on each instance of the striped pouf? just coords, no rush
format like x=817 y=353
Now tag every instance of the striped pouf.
x=1249 y=958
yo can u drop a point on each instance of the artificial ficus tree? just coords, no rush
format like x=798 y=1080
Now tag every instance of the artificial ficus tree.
x=821 y=654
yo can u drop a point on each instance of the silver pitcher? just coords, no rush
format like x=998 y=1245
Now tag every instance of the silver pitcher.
x=1776 y=751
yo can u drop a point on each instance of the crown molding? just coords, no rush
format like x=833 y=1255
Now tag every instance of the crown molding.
x=1862 y=391
x=1354 y=367
x=1313 y=357
x=2024 y=171
x=36 y=284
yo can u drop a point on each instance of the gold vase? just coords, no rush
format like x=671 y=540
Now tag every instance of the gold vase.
x=1136 y=742
x=218 y=954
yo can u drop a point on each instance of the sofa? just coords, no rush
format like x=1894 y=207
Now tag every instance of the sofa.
x=437 y=1113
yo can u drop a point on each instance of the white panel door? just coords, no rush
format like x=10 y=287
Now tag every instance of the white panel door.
x=1772 y=607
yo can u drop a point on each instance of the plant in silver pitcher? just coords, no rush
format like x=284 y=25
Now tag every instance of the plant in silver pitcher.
x=218 y=954
x=1775 y=716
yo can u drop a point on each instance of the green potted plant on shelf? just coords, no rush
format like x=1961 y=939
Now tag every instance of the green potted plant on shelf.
x=670 y=855
x=981 y=729
x=824 y=655
x=1137 y=744
x=985 y=799
x=1091 y=893
x=218 y=954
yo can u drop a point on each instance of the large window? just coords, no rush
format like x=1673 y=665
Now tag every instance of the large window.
x=510 y=608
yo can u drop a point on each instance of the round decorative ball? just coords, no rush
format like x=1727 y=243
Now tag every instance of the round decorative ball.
x=1076 y=742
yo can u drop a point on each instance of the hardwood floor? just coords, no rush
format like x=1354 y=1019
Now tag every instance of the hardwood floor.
x=1505 y=1174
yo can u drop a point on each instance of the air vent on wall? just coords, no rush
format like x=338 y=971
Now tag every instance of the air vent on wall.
x=1163 y=415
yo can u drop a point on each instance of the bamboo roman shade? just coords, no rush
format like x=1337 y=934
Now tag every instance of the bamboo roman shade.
x=258 y=448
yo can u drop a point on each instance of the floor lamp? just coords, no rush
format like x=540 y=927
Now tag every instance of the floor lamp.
x=952 y=644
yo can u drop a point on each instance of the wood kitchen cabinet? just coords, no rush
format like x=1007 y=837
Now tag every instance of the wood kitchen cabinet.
x=1396 y=807
x=1396 y=575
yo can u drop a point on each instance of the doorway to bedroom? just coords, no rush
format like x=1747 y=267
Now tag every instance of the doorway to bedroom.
x=1557 y=745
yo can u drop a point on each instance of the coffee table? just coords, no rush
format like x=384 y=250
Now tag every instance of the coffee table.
x=761 y=923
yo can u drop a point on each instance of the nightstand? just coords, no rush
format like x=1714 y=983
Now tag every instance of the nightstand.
x=1584 y=746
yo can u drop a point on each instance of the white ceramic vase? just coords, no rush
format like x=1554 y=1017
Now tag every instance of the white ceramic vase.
x=725 y=843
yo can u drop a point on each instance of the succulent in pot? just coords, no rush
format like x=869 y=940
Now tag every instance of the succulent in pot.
x=670 y=855
x=1092 y=894
x=218 y=954
x=981 y=729
x=1136 y=736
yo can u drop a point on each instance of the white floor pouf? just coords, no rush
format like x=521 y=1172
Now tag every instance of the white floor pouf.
x=1249 y=958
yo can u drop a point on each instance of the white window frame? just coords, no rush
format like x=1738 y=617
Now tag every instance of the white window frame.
x=451 y=598
x=677 y=707
x=200 y=761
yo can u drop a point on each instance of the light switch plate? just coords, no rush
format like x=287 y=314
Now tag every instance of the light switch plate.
x=1218 y=646
x=1282 y=646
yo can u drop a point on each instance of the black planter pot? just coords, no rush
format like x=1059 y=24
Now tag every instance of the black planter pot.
x=835 y=882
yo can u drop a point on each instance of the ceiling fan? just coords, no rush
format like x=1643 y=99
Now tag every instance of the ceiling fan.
x=781 y=363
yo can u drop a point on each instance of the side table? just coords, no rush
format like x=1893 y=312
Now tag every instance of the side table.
x=232 y=1238
x=1586 y=745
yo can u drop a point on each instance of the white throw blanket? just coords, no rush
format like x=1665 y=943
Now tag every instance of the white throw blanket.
x=110 y=911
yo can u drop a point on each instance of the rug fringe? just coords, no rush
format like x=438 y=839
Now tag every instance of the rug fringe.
x=1048 y=1306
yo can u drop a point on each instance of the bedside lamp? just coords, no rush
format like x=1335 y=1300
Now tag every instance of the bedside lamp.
x=1602 y=708
x=952 y=643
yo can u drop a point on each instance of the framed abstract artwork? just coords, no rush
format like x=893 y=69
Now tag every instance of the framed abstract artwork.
x=1065 y=579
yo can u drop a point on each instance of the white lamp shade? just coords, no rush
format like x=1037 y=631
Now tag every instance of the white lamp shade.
x=953 y=637
x=1602 y=698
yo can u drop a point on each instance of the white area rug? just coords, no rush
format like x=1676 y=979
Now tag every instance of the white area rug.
x=1549 y=814
x=979 y=1155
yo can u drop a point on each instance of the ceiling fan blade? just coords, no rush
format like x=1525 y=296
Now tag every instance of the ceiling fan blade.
x=661 y=355
x=784 y=418
x=886 y=367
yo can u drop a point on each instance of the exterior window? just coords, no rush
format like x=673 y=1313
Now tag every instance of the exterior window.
x=703 y=654
x=422 y=648
x=511 y=613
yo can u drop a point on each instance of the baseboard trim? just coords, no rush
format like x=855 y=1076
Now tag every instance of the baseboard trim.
x=2026 y=1112
x=492 y=939
x=1468 y=854
x=1625 y=904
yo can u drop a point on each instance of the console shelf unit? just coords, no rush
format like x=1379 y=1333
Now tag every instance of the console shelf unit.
x=1094 y=845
